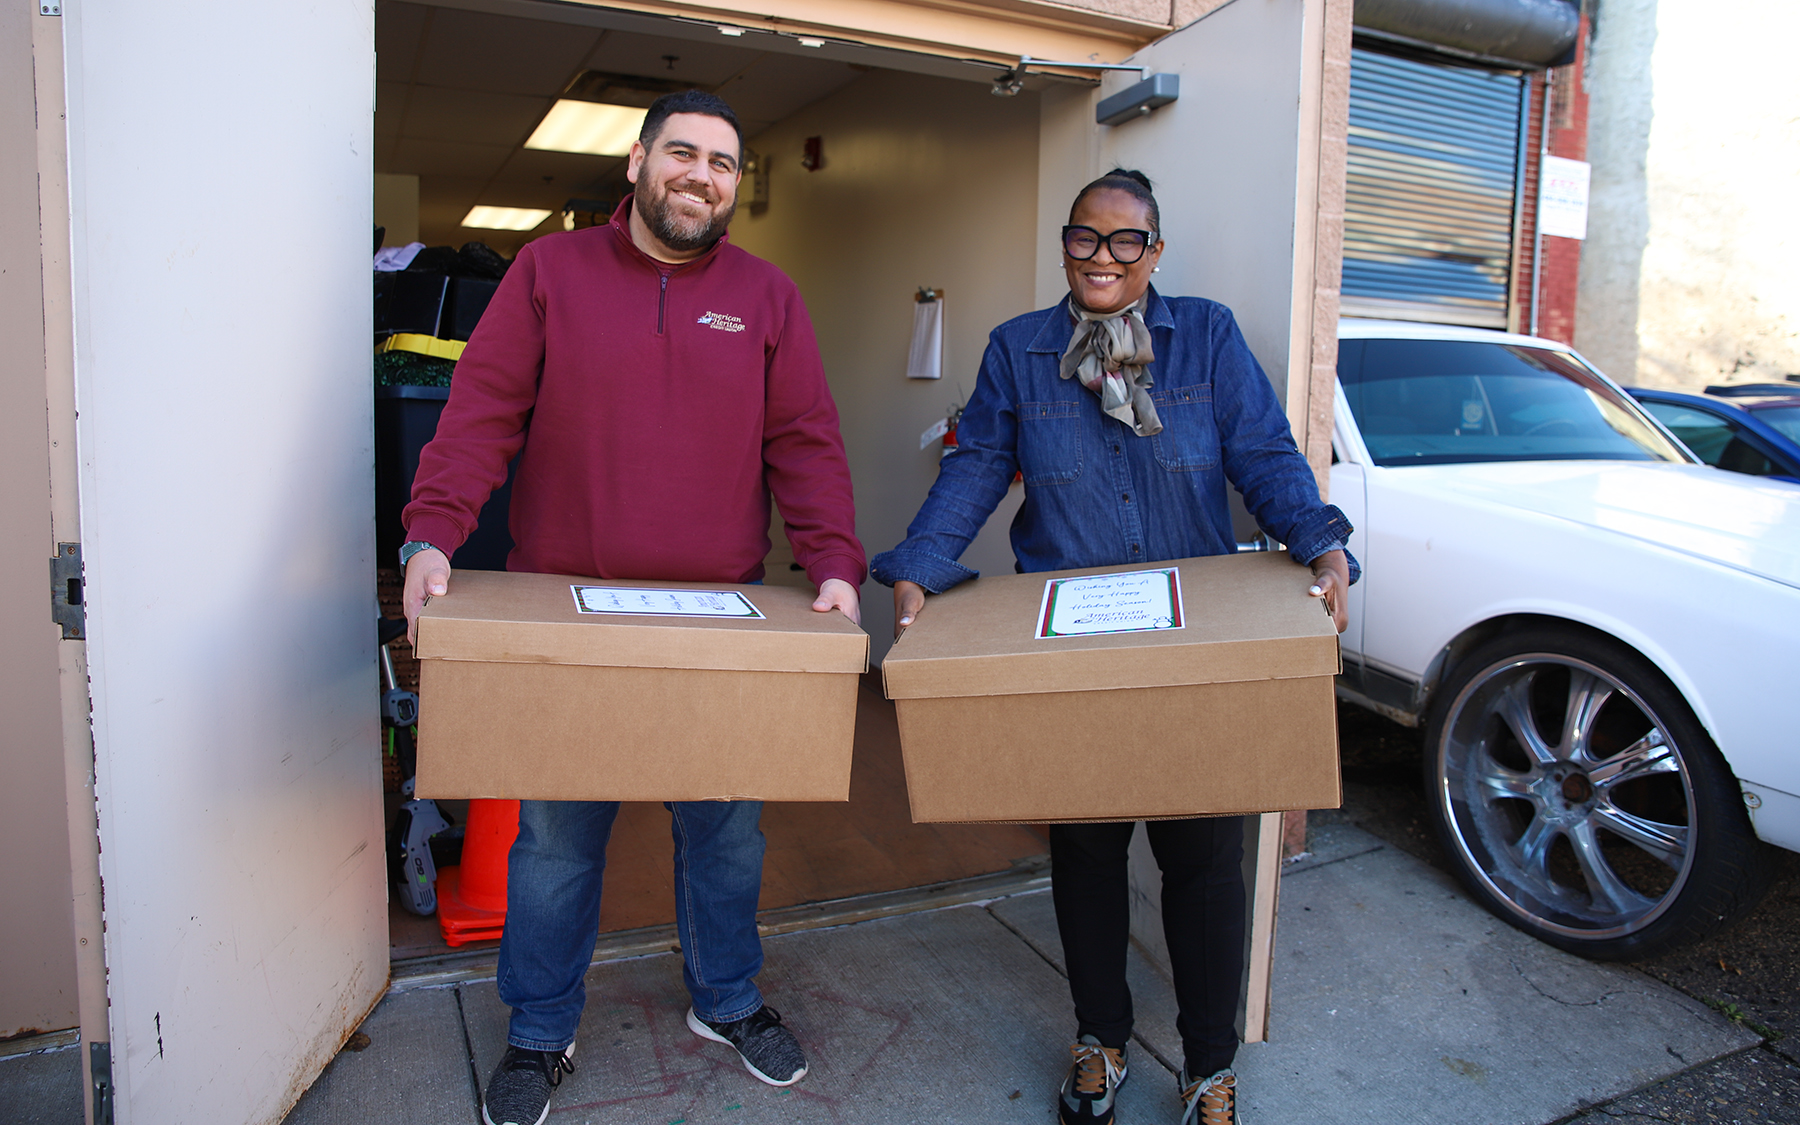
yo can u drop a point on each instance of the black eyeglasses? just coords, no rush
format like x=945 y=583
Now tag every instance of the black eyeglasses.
x=1125 y=245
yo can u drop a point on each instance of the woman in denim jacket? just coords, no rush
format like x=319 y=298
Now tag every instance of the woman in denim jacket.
x=1128 y=413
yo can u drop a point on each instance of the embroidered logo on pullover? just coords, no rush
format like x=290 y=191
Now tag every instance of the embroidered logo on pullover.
x=723 y=322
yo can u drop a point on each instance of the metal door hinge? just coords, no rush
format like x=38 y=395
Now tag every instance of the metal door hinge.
x=49 y=7
x=100 y=1066
x=66 y=608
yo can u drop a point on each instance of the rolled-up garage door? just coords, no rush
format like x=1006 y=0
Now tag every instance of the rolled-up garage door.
x=1433 y=173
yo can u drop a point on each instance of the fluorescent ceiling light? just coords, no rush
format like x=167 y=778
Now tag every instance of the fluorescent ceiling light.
x=504 y=218
x=589 y=127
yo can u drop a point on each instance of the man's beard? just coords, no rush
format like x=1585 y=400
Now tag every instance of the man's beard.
x=675 y=230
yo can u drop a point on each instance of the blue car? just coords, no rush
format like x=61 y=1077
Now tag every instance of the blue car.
x=1751 y=428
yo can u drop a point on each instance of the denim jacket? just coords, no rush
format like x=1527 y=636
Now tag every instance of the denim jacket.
x=1096 y=494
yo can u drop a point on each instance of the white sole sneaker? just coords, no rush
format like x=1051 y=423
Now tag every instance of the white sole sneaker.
x=568 y=1053
x=698 y=1027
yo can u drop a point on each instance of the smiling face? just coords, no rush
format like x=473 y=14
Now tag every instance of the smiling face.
x=686 y=186
x=1100 y=284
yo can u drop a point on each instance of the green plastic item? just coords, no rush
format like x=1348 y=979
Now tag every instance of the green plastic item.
x=410 y=369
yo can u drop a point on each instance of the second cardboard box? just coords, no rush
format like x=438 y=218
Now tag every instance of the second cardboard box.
x=1226 y=709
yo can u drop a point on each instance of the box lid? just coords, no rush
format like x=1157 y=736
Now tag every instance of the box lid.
x=1246 y=617
x=503 y=617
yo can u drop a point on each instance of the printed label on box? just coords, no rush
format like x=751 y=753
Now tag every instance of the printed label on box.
x=663 y=603
x=1135 y=602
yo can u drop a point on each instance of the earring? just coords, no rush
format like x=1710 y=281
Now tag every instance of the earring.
x=1155 y=269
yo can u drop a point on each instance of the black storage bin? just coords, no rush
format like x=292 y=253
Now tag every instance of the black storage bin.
x=405 y=419
x=409 y=302
x=468 y=299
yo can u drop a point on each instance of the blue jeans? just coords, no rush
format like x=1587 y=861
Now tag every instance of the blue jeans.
x=553 y=911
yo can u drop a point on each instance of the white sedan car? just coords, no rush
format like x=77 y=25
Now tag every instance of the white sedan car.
x=1597 y=632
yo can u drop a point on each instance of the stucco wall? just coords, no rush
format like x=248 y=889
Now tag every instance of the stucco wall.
x=1688 y=274
x=1150 y=11
x=1176 y=13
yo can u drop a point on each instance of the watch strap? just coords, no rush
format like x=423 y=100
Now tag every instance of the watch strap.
x=411 y=548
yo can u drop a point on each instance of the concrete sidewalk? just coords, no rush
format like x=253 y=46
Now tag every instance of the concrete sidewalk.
x=1396 y=1000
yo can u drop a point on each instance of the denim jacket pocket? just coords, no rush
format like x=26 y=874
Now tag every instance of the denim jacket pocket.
x=1049 y=442
x=1189 y=441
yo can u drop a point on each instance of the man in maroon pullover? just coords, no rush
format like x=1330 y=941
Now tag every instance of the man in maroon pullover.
x=658 y=385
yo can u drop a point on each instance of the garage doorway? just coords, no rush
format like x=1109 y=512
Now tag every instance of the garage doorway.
x=897 y=141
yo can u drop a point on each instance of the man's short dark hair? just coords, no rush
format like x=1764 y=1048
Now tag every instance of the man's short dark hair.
x=687 y=101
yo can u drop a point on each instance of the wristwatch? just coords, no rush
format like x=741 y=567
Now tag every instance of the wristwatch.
x=411 y=548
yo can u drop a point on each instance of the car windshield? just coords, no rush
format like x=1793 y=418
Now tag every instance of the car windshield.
x=1784 y=418
x=1437 y=402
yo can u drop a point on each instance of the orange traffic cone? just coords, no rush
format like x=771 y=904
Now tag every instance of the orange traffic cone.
x=471 y=902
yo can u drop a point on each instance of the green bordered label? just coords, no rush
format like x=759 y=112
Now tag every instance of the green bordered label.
x=1134 y=602
x=654 y=602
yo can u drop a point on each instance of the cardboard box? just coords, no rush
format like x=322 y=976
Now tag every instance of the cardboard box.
x=1231 y=712
x=521 y=695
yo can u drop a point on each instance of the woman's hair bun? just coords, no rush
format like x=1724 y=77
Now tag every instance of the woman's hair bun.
x=1130 y=174
x=1131 y=182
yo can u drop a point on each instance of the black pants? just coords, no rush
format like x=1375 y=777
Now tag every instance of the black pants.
x=1203 y=920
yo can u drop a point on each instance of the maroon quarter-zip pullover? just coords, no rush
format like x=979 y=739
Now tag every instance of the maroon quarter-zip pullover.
x=657 y=408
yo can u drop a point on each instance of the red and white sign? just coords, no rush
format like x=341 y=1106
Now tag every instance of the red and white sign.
x=1563 y=197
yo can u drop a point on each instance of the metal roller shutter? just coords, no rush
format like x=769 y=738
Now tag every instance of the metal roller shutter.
x=1433 y=178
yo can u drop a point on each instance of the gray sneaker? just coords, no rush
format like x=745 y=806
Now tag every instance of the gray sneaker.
x=519 y=1091
x=1208 y=1101
x=1092 y=1083
x=768 y=1049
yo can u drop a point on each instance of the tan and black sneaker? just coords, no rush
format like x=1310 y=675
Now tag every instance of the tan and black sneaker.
x=1092 y=1084
x=1209 y=1101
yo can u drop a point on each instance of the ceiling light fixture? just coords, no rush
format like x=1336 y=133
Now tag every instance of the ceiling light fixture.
x=505 y=218
x=809 y=42
x=594 y=128
x=734 y=32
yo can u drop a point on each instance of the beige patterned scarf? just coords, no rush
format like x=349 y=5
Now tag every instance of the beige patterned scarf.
x=1110 y=355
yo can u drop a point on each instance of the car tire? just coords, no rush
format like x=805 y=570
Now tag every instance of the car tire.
x=1579 y=798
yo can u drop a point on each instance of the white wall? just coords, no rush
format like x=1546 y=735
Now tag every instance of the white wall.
x=926 y=182
x=220 y=260
x=1224 y=158
x=1688 y=272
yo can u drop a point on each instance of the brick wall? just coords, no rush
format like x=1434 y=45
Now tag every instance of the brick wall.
x=1560 y=271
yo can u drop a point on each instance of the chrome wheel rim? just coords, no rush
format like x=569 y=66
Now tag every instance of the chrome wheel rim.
x=1566 y=796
